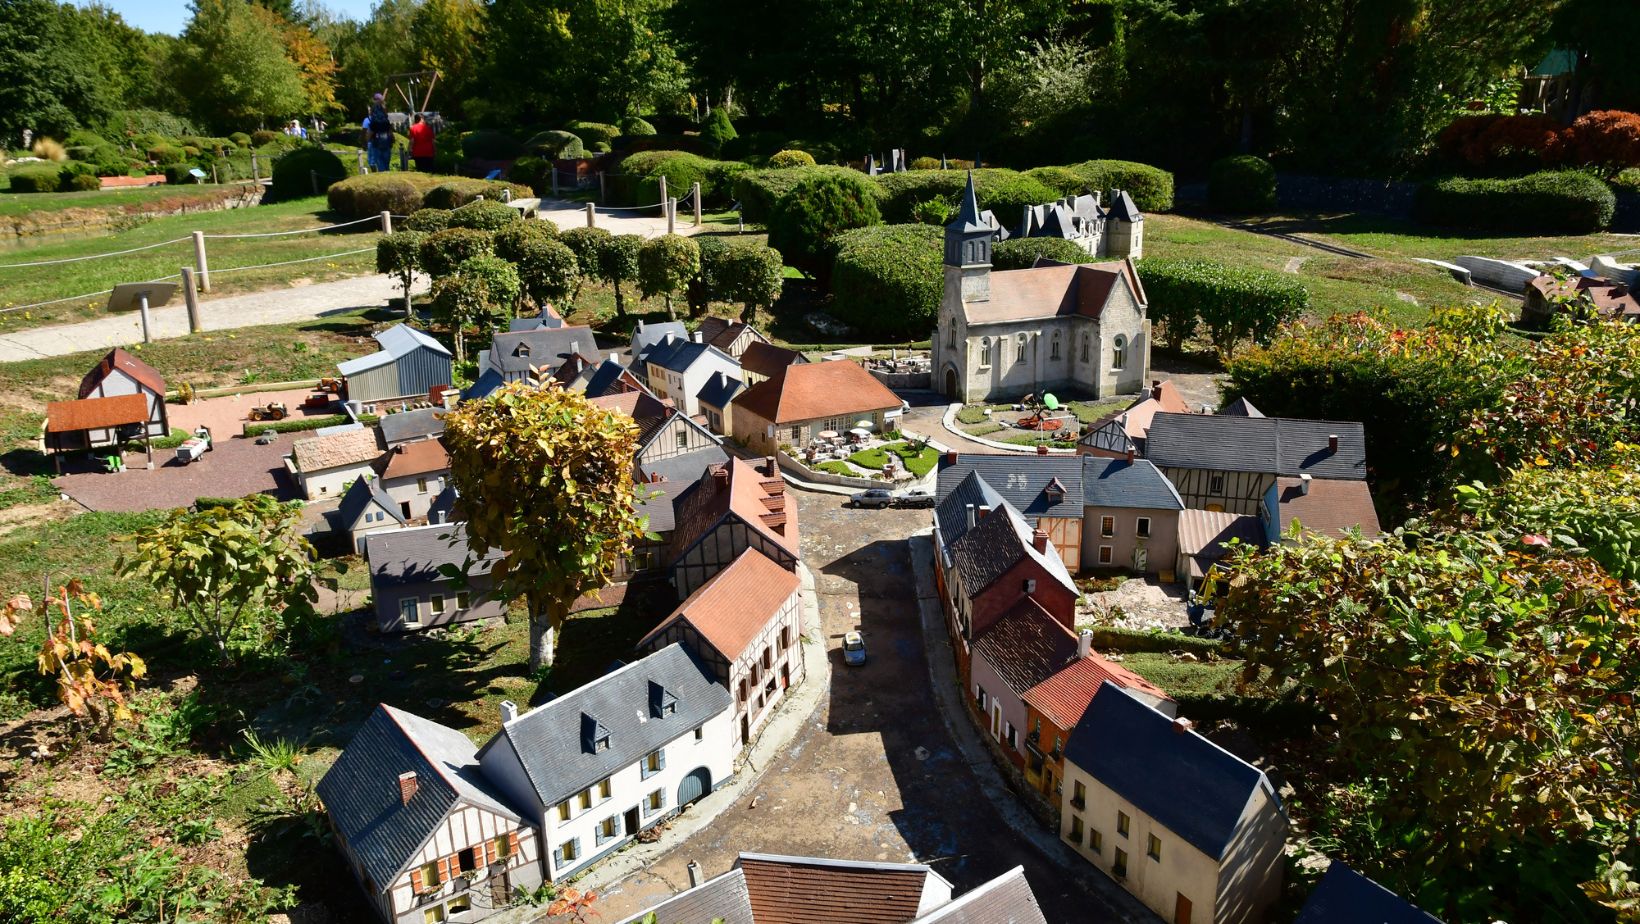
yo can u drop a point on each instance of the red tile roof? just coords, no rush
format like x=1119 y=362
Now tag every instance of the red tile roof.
x=95 y=413
x=1056 y=290
x=1330 y=507
x=810 y=391
x=1162 y=398
x=732 y=609
x=422 y=457
x=793 y=890
x=350 y=447
x=1066 y=695
x=767 y=359
x=1610 y=299
x=754 y=497
x=720 y=332
x=117 y=358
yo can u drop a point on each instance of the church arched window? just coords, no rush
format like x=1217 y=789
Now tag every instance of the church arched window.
x=984 y=352
x=1087 y=347
x=1054 y=349
x=951 y=334
x=1019 y=349
x=1119 y=353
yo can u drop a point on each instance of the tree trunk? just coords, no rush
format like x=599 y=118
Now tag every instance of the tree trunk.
x=546 y=618
x=409 y=312
x=620 y=301
x=461 y=347
x=671 y=313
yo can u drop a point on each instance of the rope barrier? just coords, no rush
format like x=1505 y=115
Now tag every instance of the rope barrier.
x=345 y=224
x=95 y=256
x=638 y=208
x=75 y=298
x=328 y=256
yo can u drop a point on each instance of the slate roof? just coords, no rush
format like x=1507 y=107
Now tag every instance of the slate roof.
x=1184 y=782
x=1007 y=899
x=643 y=335
x=118 y=359
x=952 y=510
x=810 y=391
x=514 y=352
x=1051 y=289
x=767 y=359
x=549 y=738
x=721 y=898
x=443 y=507
x=681 y=471
x=719 y=390
x=358 y=497
x=1122 y=207
x=361 y=790
x=404 y=557
x=734 y=606
x=95 y=413
x=1344 y=896
x=423 y=457
x=647 y=411
x=546 y=318
x=1240 y=407
x=1026 y=645
x=404 y=426
x=318 y=453
x=722 y=333
x=998 y=542
x=396 y=342
x=1120 y=483
x=483 y=385
x=606 y=379
x=1329 y=507
x=1270 y=445
x=1028 y=482
x=655 y=502
x=806 y=890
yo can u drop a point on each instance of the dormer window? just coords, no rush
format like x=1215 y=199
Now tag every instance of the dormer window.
x=594 y=736
x=661 y=702
x=523 y=349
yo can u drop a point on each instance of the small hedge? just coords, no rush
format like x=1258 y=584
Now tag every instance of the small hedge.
x=592 y=133
x=1150 y=187
x=304 y=424
x=428 y=220
x=1005 y=192
x=1563 y=202
x=452 y=194
x=373 y=193
x=759 y=190
x=888 y=280
x=1111 y=638
x=485 y=215
x=512 y=241
x=1234 y=303
x=556 y=145
x=807 y=221
x=36 y=178
x=633 y=125
x=305 y=171
x=1241 y=184
x=1023 y=252
x=444 y=251
x=789 y=158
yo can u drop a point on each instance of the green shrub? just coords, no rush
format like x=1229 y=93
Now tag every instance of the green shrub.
x=807 y=219
x=398 y=192
x=81 y=182
x=512 y=239
x=924 y=163
x=484 y=215
x=789 y=158
x=639 y=182
x=166 y=153
x=759 y=190
x=887 y=279
x=1234 y=303
x=1550 y=202
x=428 y=220
x=600 y=147
x=717 y=130
x=490 y=145
x=532 y=171
x=1150 y=187
x=586 y=244
x=556 y=145
x=445 y=250
x=592 y=133
x=1241 y=184
x=36 y=178
x=499 y=278
x=263 y=137
x=1005 y=192
x=936 y=211
x=1110 y=638
x=454 y=193
x=1023 y=252
x=296 y=424
x=720 y=181
x=548 y=271
x=304 y=172
x=633 y=125
x=240 y=139
x=124 y=123
x=1067 y=181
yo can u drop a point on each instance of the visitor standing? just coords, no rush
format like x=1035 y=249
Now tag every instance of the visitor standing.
x=421 y=143
x=295 y=129
x=379 y=135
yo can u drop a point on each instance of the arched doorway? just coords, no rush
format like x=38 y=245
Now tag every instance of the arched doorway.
x=951 y=384
x=698 y=783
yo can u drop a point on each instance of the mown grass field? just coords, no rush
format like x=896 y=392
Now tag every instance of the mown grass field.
x=13 y=204
x=1396 y=237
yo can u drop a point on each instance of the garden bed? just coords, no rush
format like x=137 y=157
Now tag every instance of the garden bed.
x=918 y=462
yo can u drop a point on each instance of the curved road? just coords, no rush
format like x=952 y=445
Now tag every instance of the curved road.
x=874 y=775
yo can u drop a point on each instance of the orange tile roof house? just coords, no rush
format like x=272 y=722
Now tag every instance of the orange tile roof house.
x=1115 y=434
x=120 y=373
x=802 y=400
x=733 y=507
x=413 y=474
x=1319 y=505
x=72 y=425
x=745 y=624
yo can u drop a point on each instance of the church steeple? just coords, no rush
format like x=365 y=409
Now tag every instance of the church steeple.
x=968 y=246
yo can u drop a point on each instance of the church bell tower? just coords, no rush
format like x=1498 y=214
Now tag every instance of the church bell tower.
x=968 y=248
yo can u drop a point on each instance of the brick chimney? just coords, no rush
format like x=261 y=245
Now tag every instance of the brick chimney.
x=770 y=467
x=951 y=457
x=407 y=786
x=1156 y=389
x=1130 y=455
x=1182 y=725
x=1084 y=643
x=1039 y=540
x=1332 y=442
x=984 y=510
x=720 y=476
x=1041 y=449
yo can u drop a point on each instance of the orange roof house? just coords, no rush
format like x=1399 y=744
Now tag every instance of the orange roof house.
x=732 y=507
x=1113 y=435
x=801 y=400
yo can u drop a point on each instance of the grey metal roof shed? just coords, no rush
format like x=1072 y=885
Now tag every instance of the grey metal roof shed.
x=408 y=364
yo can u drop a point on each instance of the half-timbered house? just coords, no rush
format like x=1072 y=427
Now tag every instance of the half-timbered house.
x=1226 y=462
x=731 y=508
x=120 y=373
x=1046 y=490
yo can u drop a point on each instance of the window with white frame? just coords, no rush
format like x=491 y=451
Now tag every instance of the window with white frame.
x=1118 y=359
x=606 y=830
x=1105 y=555
x=433 y=915
x=1215 y=484
x=1107 y=526
x=568 y=852
x=410 y=612
x=421 y=485
x=437 y=604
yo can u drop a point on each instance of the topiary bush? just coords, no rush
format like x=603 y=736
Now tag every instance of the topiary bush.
x=445 y=250
x=717 y=130
x=759 y=190
x=1067 y=181
x=807 y=219
x=485 y=215
x=924 y=163
x=587 y=244
x=398 y=192
x=556 y=145
x=165 y=153
x=263 y=137
x=1241 y=184
x=1566 y=202
x=305 y=171
x=240 y=139
x=633 y=125
x=428 y=220
x=1495 y=143
x=1005 y=192
x=592 y=133
x=887 y=279
x=788 y=158
x=1234 y=303
x=36 y=178
x=399 y=255
x=1150 y=187
x=637 y=179
x=1606 y=140
x=491 y=145
x=1023 y=252
x=512 y=239
x=451 y=194
x=548 y=270
x=81 y=182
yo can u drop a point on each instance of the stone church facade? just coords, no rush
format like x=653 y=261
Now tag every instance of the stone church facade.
x=1081 y=329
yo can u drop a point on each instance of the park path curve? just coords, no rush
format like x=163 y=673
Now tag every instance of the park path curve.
x=253 y=309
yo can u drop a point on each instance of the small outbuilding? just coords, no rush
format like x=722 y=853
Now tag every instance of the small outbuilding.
x=408 y=365
x=120 y=373
x=89 y=422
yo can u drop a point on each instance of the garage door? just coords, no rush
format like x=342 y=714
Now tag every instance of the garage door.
x=698 y=783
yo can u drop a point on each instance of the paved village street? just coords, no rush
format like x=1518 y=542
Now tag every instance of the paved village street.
x=874 y=775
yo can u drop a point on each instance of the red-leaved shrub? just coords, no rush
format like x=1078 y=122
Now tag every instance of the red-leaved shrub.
x=1607 y=140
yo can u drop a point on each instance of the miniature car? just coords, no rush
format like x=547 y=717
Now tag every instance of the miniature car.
x=872 y=497
x=854 y=649
x=915 y=498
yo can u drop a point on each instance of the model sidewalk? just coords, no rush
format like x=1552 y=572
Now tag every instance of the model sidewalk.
x=948 y=694
x=275 y=306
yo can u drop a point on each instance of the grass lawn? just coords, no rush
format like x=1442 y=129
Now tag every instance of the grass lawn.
x=1380 y=234
x=31 y=285
x=1183 y=677
x=1089 y=411
x=917 y=463
x=836 y=468
x=136 y=197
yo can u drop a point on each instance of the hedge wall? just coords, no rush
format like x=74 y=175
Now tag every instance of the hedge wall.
x=1233 y=303
x=759 y=190
x=305 y=172
x=1110 y=638
x=1005 y=192
x=887 y=279
x=1023 y=252
x=636 y=181
x=1242 y=183
x=454 y=193
x=1567 y=202
x=1150 y=187
x=397 y=192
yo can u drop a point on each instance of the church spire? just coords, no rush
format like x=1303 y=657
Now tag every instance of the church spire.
x=969 y=214
x=968 y=246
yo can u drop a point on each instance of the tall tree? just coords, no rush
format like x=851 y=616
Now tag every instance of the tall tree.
x=232 y=60
x=563 y=511
x=449 y=38
x=52 y=79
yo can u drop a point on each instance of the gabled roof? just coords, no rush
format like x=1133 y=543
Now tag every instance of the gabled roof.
x=682 y=471
x=952 y=509
x=1240 y=407
x=1064 y=696
x=549 y=739
x=1205 y=535
x=414 y=556
x=546 y=318
x=1026 y=645
x=807 y=890
x=654 y=501
x=721 y=898
x=1120 y=483
x=1007 y=899
x=1184 y=782
x=423 y=457
x=318 y=453
x=998 y=542
x=719 y=390
x=611 y=378
x=1328 y=507
x=643 y=335
x=95 y=413
x=358 y=497
x=396 y=342
x=1268 y=445
x=1050 y=289
x=722 y=333
x=514 y=352
x=1037 y=486
x=1110 y=436
x=756 y=499
x=766 y=359
x=1610 y=299
x=483 y=385
x=732 y=608
x=810 y=391
x=117 y=359
x=649 y=431
x=404 y=426
x=361 y=790
x=1344 y=896
x=1136 y=418
x=647 y=411
x=1122 y=207
x=443 y=508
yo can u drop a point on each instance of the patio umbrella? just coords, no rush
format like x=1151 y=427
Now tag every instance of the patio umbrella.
x=828 y=434
x=861 y=432
x=865 y=425
x=1050 y=402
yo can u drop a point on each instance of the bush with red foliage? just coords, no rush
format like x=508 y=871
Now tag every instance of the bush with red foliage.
x=1607 y=140
x=1494 y=143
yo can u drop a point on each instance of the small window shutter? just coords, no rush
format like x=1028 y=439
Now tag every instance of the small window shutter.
x=662 y=762
x=415 y=881
x=444 y=874
x=512 y=843
x=489 y=851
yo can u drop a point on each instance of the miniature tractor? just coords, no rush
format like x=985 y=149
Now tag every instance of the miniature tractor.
x=273 y=410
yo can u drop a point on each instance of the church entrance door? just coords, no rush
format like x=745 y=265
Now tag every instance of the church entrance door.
x=951 y=384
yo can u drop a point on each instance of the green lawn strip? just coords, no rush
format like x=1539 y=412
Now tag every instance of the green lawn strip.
x=975 y=413
x=1033 y=438
x=1185 y=677
x=1392 y=236
x=918 y=463
x=31 y=285
x=836 y=468
x=1089 y=411
x=14 y=204
x=984 y=429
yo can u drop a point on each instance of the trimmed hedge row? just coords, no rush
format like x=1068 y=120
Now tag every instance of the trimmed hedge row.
x=400 y=193
x=1023 y=252
x=304 y=424
x=1234 y=303
x=887 y=279
x=759 y=190
x=1111 y=638
x=1005 y=192
x=1150 y=187
x=1568 y=202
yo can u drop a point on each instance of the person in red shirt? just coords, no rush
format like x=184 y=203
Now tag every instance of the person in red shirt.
x=421 y=144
